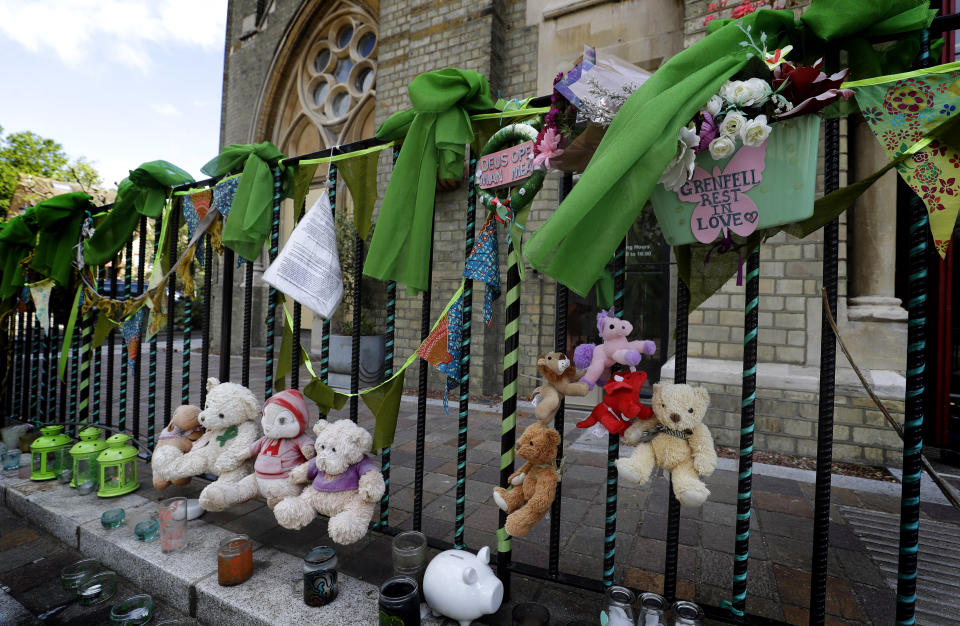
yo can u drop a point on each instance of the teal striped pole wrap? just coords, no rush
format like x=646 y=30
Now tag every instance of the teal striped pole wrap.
x=74 y=377
x=467 y=307
x=152 y=363
x=124 y=368
x=185 y=363
x=748 y=402
x=97 y=360
x=613 y=441
x=86 y=356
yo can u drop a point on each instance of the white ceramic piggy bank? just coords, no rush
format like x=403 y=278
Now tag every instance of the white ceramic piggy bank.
x=461 y=586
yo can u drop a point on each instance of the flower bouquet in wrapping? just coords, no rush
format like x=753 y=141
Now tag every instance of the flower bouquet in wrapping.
x=748 y=159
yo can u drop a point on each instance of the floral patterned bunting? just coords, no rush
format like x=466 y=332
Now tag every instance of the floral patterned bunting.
x=483 y=265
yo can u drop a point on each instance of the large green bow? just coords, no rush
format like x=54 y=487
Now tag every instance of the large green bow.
x=642 y=139
x=144 y=192
x=248 y=224
x=59 y=221
x=436 y=132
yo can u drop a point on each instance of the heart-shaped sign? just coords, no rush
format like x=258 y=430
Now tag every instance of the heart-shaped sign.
x=751 y=216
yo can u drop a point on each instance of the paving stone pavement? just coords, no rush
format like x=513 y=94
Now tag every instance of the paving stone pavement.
x=780 y=540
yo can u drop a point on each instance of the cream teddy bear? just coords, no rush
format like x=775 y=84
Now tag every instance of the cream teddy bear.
x=230 y=420
x=680 y=443
x=346 y=484
x=284 y=446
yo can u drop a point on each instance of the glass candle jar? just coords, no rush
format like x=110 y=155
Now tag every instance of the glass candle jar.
x=686 y=613
x=11 y=460
x=132 y=611
x=25 y=466
x=97 y=588
x=320 y=576
x=410 y=555
x=173 y=524
x=74 y=574
x=620 y=606
x=400 y=602
x=652 y=609
x=234 y=560
x=530 y=614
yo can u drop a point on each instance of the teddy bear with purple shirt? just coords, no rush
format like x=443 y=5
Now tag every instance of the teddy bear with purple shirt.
x=346 y=484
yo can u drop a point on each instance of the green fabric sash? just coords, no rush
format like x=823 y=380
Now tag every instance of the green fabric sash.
x=17 y=238
x=248 y=224
x=59 y=221
x=642 y=138
x=436 y=131
x=144 y=192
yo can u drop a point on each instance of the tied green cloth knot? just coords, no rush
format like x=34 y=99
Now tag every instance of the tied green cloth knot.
x=143 y=192
x=436 y=131
x=248 y=224
x=642 y=139
x=17 y=237
x=59 y=220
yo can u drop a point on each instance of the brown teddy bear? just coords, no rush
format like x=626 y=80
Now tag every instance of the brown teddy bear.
x=682 y=443
x=184 y=428
x=560 y=379
x=534 y=484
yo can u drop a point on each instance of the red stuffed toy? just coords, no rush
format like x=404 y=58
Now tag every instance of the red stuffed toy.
x=621 y=403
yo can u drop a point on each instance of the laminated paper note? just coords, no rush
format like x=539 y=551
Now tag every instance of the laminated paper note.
x=308 y=268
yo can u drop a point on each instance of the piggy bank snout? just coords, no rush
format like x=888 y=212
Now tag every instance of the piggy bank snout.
x=496 y=595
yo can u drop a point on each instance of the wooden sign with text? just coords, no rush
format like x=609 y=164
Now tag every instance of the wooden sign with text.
x=506 y=167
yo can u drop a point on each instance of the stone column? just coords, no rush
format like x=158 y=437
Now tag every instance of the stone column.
x=874 y=223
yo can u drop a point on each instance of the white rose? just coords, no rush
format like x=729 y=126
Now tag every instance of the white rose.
x=759 y=90
x=755 y=131
x=714 y=105
x=722 y=147
x=732 y=123
x=680 y=169
x=729 y=90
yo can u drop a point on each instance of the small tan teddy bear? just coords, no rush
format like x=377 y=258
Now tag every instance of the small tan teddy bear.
x=535 y=484
x=682 y=443
x=560 y=378
x=182 y=431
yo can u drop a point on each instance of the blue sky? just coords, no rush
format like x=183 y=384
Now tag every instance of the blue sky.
x=119 y=82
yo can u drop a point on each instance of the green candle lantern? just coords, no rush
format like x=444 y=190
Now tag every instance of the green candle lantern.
x=118 y=467
x=84 y=454
x=48 y=453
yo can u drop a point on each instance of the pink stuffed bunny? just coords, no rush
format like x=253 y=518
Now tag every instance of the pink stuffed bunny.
x=598 y=358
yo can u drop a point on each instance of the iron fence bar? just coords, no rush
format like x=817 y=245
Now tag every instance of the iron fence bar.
x=111 y=347
x=27 y=334
x=226 y=314
x=35 y=361
x=297 y=319
x=508 y=423
x=325 y=325
x=673 y=505
x=174 y=232
x=74 y=374
x=186 y=355
x=247 y=315
x=913 y=400
x=271 y=290
x=466 y=308
x=124 y=359
x=64 y=393
x=51 y=344
x=42 y=364
x=561 y=300
x=828 y=359
x=747 y=405
x=97 y=360
x=207 y=317
x=16 y=368
x=152 y=363
x=355 y=338
x=388 y=342
x=86 y=356
x=138 y=363
x=9 y=331
x=425 y=323
x=613 y=441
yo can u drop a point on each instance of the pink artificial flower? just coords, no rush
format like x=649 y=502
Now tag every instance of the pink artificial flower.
x=745 y=8
x=709 y=19
x=707 y=131
x=546 y=148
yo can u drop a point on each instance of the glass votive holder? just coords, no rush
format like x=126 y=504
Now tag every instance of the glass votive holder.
x=620 y=606
x=112 y=518
x=132 y=611
x=686 y=613
x=234 y=560
x=173 y=524
x=147 y=530
x=25 y=467
x=74 y=574
x=410 y=555
x=320 y=576
x=653 y=606
x=530 y=614
x=11 y=460
x=97 y=588
x=65 y=476
x=400 y=599
x=86 y=487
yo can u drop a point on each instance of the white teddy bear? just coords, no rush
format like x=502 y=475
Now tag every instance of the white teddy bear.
x=230 y=420
x=346 y=484
x=284 y=446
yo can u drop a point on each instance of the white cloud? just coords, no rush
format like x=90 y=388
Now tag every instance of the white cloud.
x=73 y=29
x=165 y=109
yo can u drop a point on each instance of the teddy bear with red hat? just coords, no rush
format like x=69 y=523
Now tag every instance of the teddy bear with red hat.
x=621 y=404
x=285 y=445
